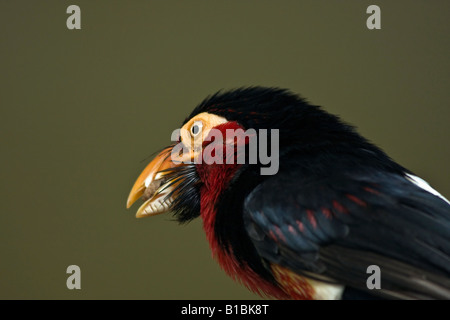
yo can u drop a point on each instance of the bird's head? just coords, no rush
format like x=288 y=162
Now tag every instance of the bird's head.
x=202 y=154
x=173 y=179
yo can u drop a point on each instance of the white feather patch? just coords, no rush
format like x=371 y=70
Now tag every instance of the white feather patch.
x=424 y=185
x=326 y=291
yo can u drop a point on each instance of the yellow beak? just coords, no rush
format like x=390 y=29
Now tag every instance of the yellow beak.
x=151 y=185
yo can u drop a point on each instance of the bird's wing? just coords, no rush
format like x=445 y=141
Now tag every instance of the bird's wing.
x=334 y=228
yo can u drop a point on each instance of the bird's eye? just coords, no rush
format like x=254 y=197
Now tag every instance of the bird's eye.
x=196 y=128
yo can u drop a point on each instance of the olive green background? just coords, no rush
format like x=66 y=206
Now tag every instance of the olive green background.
x=82 y=111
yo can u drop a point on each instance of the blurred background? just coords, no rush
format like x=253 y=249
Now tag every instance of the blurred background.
x=82 y=111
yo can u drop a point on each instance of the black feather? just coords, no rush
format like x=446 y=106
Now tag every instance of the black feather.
x=409 y=243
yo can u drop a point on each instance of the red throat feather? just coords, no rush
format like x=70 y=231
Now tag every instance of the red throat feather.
x=216 y=178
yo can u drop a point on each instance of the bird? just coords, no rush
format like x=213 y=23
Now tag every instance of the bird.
x=334 y=205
